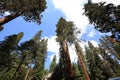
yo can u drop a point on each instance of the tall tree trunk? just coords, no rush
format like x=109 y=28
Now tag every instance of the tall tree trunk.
x=14 y=75
x=68 y=61
x=9 y=17
x=81 y=61
x=27 y=73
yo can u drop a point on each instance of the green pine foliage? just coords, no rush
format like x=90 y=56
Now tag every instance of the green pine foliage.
x=53 y=64
x=9 y=55
x=112 y=47
x=100 y=63
x=111 y=55
x=65 y=34
x=77 y=72
x=7 y=48
x=95 y=64
x=29 y=10
x=105 y=17
x=65 y=30
x=25 y=61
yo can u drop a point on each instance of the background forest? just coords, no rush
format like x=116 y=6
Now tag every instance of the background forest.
x=26 y=60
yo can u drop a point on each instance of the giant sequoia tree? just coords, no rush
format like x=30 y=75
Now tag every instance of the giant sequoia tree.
x=81 y=60
x=29 y=10
x=65 y=34
x=105 y=17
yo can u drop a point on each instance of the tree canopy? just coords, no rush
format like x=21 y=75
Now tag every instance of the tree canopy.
x=105 y=17
x=29 y=10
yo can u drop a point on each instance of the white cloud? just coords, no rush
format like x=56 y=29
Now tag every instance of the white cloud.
x=73 y=10
x=91 y=33
x=72 y=52
x=7 y=13
x=53 y=46
x=95 y=44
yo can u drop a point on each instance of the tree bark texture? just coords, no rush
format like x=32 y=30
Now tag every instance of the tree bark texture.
x=8 y=18
x=82 y=63
x=68 y=61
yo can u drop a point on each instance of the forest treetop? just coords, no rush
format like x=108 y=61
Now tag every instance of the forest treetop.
x=105 y=17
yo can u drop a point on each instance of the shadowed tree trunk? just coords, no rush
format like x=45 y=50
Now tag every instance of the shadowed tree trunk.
x=81 y=61
x=27 y=73
x=9 y=18
x=68 y=61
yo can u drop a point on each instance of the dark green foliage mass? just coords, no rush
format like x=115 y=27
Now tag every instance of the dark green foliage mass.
x=65 y=30
x=105 y=17
x=29 y=10
x=65 y=34
x=24 y=61
x=7 y=48
x=112 y=47
x=78 y=75
x=9 y=55
x=100 y=63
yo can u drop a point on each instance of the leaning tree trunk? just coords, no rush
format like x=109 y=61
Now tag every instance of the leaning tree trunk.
x=26 y=76
x=10 y=17
x=81 y=61
x=14 y=75
x=68 y=61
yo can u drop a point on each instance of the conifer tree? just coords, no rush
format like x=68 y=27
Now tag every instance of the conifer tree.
x=77 y=72
x=9 y=55
x=41 y=53
x=108 y=52
x=94 y=63
x=105 y=17
x=53 y=64
x=33 y=52
x=113 y=48
x=101 y=65
x=30 y=11
x=81 y=60
x=82 y=76
x=65 y=35
x=6 y=48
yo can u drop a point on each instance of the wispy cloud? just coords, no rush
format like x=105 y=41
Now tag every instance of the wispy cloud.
x=91 y=33
x=95 y=44
x=73 y=10
x=53 y=46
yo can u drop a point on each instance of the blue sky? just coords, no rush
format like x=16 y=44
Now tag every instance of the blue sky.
x=71 y=10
